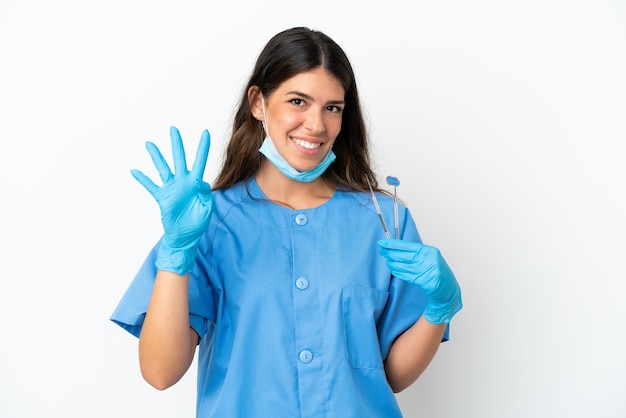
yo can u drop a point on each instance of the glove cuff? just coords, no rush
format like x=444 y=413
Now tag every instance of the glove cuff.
x=179 y=261
x=442 y=313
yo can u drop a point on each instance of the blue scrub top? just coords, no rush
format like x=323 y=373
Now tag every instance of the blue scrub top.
x=296 y=309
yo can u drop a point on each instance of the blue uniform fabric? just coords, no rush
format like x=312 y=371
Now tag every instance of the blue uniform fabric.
x=296 y=309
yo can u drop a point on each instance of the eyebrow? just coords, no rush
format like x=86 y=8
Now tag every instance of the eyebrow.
x=306 y=96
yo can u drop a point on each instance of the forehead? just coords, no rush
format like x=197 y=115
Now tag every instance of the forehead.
x=315 y=82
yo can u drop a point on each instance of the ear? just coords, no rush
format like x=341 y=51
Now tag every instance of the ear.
x=254 y=99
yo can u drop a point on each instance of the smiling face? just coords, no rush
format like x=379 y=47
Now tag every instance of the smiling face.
x=303 y=116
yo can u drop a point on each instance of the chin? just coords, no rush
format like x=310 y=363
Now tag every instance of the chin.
x=305 y=168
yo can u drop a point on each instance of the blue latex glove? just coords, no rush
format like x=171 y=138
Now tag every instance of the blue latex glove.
x=424 y=266
x=185 y=200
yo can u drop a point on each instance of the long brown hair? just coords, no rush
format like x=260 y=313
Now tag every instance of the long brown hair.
x=287 y=54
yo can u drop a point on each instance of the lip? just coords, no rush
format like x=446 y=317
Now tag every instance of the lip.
x=305 y=150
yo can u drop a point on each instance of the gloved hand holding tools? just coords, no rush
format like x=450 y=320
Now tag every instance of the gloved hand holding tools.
x=424 y=266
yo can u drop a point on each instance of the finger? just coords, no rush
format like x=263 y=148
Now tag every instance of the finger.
x=159 y=161
x=202 y=155
x=401 y=245
x=178 y=151
x=204 y=188
x=402 y=268
x=145 y=181
x=205 y=194
x=401 y=272
x=401 y=256
x=421 y=254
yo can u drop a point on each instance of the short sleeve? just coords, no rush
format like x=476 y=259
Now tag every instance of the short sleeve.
x=131 y=310
x=405 y=305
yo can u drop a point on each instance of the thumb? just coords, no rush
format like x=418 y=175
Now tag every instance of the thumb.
x=205 y=193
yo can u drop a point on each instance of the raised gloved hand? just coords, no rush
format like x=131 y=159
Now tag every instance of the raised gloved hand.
x=424 y=266
x=185 y=200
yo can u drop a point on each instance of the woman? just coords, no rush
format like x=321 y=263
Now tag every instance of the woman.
x=282 y=274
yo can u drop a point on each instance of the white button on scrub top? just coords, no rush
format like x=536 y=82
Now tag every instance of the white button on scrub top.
x=306 y=356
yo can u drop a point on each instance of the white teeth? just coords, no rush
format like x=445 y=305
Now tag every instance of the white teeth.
x=307 y=145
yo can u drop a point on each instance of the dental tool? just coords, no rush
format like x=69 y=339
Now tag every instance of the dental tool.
x=394 y=182
x=380 y=215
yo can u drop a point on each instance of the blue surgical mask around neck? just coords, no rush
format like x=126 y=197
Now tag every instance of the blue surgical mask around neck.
x=271 y=153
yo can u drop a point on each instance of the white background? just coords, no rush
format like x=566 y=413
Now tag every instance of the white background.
x=505 y=122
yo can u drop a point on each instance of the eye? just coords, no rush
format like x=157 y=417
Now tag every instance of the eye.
x=334 y=108
x=297 y=101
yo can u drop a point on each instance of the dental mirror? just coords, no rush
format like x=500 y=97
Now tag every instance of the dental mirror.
x=395 y=182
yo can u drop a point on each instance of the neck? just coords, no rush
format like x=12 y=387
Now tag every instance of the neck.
x=291 y=193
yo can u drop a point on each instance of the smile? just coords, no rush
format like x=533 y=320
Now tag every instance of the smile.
x=306 y=144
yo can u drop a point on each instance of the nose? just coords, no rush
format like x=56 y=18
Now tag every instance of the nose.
x=314 y=121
